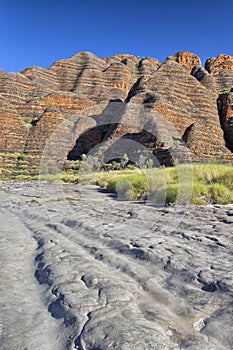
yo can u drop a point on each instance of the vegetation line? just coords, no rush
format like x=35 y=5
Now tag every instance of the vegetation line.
x=201 y=184
x=206 y=184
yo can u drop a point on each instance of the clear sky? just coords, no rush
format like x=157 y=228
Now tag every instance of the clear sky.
x=43 y=31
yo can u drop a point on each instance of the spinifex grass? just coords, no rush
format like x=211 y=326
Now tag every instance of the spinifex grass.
x=199 y=183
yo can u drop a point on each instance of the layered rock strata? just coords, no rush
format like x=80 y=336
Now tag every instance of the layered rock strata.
x=225 y=106
x=120 y=104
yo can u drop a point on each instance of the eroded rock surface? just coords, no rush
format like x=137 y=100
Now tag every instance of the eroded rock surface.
x=123 y=96
x=225 y=106
x=221 y=68
x=80 y=270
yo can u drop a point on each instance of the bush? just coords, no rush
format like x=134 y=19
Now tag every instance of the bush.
x=21 y=156
x=125 y=190
x=133 y=186
x=220 y=194
x=172 y=193
x=224 y=91
x=76 y=165
x=28 y=121
x=69 y=176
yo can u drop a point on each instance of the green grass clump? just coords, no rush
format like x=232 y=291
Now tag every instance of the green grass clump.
x=69 y=176
x=199 y=184
x=172 y=193
x=129 y=186
x=224 y=91
x=213 y=183
x=220 y=194
x=10 y=155
x=28 y=121
x=125 y=189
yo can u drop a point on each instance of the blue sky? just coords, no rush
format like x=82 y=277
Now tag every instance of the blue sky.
x=41 y=32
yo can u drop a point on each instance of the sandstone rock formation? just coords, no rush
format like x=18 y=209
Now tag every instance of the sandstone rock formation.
x=187 y=59
x=225 y=105
x=120 y=104
x=222 y=70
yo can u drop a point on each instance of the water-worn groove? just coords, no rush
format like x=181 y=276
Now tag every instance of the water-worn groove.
x=127 y=280
x=57 y=307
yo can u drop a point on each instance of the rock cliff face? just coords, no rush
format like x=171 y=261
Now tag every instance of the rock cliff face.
x=225 y=105
x=120 y=104
x=221 y=68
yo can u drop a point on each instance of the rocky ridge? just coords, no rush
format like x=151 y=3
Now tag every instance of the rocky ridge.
x=169 y=110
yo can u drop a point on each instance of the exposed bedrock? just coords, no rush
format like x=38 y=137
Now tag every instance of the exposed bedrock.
x=85 y=101
x=81 y=270
x=225 y=107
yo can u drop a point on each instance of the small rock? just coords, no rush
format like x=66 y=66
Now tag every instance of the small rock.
x=199 y=325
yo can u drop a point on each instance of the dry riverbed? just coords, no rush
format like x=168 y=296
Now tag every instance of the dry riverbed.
x=82 y=270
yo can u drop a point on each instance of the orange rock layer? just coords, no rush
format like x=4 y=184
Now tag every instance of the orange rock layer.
x=120 y=104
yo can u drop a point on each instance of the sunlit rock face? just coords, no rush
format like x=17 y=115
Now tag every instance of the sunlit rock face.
x=221 y=68
x=87 y=102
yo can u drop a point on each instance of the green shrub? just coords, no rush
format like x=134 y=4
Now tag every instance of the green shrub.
x=124 y=189
x=6 y=171
x=71 y=121
x=22 y=156
x=172 y=193
x=28 y=121
x=76 y=165
x=224 y=91
x=220 y=194
x=133 y=186
x=69 y=176
x=21 y=172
